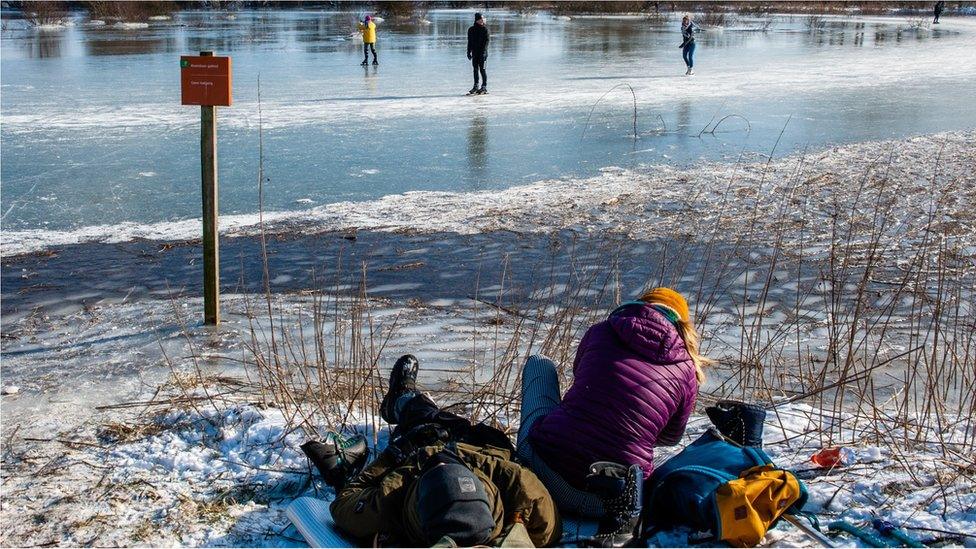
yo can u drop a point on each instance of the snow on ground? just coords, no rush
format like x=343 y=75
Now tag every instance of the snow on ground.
x=223 y=475
x=643 y=202
x=156 y=468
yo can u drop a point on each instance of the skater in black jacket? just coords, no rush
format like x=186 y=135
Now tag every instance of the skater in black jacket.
x=939 y=8
x=478 y=53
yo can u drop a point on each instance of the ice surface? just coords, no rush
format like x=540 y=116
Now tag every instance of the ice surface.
x=79 y=135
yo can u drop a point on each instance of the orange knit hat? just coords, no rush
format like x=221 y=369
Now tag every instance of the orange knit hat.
x=670 y=299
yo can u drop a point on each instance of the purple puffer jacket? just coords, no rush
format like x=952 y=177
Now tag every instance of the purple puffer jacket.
x=634 y=388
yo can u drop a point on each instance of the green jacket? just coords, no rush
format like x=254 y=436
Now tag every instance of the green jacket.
x=383 y=499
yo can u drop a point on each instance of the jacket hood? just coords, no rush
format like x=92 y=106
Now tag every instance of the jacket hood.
x=648 y=333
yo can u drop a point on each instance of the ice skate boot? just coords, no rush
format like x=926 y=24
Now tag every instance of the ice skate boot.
x=622 y=490
x=403 y=379
x=337 y=459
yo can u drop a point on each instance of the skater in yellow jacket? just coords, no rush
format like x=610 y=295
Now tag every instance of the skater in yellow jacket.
x=368 y=29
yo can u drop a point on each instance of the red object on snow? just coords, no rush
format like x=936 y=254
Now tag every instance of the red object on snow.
x=838 y=456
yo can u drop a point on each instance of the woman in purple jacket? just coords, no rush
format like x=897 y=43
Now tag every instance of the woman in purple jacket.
x=636 y=376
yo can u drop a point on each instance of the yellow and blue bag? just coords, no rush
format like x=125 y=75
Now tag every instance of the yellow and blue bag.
x=734 y=492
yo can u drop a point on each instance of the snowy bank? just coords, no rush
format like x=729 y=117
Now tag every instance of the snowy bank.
x=222 y=475
x=644 y=202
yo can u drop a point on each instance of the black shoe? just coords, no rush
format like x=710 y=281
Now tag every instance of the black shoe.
x=375 y=62
x=622 y=491
x=365 y=62
x=403 y=378
x=473 y=90
x=739 y=422
x=337 y=459
x=483 y=91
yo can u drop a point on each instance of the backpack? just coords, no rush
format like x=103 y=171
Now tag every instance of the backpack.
x=733 y=491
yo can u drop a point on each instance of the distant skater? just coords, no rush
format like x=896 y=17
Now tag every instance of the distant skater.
x=368 y=28
x=478 y=53
x=939 y=8
x=688 y=30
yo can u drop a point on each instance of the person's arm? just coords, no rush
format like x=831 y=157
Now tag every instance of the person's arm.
x=487 y=39
x=470 y=37
x=674 y=429
x=358 y=507
x=583 y=344
x=526 y=500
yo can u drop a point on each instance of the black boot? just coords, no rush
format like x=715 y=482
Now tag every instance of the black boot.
x=337 y=459
x=739 y=422
x=403 y=378
x=622 y=491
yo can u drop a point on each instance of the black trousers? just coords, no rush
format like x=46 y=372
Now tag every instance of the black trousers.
x=421 y=410
x=478 y=66
x=366 y=49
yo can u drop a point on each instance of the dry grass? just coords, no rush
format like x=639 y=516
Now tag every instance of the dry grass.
x=39 y=12
x=129 y=10
x=896 y=354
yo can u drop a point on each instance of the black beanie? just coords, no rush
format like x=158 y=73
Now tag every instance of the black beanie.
x=452 y=502
x=477 y=16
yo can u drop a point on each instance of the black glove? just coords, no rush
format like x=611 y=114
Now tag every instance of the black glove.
x=469 y=56
x=337 y=459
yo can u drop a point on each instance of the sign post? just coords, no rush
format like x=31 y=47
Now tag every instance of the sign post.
x=206 y=81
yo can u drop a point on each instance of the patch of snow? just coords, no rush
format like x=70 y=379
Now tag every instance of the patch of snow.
x=131 y=25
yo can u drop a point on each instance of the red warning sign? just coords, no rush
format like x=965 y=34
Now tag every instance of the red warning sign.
x=205 y=80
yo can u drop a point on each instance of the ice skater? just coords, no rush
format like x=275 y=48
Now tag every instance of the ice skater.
x=368 y=28
x=478 y=53
x=939 y=8
x=688 y=30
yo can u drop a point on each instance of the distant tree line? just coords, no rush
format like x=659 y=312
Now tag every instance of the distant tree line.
x=48 y=11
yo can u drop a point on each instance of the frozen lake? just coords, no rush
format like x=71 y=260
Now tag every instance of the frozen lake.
x=94 y=136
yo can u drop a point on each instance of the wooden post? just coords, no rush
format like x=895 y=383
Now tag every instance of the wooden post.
x=208 y=173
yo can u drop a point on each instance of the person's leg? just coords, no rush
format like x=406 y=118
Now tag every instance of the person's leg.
x=540 y=396
x=415 y=408
x=684 y=55
x=474 y=68
x=372 y=48
x=540 y=393
x=365 y=52
x=484 y=75
x=691 y=55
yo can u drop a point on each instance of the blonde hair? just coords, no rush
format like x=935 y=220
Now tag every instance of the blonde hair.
x=690 y=336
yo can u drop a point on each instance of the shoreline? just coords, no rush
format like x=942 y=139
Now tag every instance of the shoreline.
x=534 y=207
